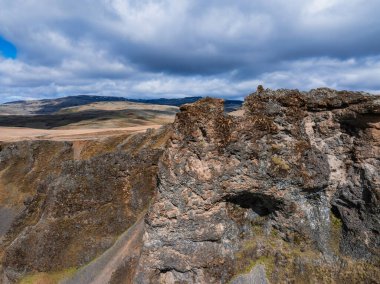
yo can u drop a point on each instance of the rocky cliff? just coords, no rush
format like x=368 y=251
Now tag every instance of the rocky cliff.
x=292 y=186
x=287 y=192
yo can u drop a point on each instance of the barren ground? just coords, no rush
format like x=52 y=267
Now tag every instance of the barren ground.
x=11 y=134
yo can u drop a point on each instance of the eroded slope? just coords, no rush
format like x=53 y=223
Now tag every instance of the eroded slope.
x=71 y=200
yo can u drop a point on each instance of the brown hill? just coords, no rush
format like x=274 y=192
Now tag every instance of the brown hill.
x=85 y=122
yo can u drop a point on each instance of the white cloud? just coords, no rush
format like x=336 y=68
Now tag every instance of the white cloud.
x=170 y=48
x=326 y=72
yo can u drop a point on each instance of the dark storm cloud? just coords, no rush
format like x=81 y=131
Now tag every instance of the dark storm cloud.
x=176 y=48
x=218 y=37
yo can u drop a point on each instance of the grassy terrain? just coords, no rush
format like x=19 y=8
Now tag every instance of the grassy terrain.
x=48 y=278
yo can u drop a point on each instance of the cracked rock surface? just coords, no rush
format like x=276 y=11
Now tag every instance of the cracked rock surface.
x=293 y=184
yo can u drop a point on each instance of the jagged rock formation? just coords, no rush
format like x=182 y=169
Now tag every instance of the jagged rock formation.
x=287 y=193
x=292 y=185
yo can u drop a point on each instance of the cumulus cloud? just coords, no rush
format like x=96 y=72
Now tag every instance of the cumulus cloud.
x=151 y=48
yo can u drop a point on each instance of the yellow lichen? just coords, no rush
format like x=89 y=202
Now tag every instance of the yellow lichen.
x=280 y=163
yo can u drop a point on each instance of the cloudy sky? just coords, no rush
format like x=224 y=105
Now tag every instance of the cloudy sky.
x=173 y=48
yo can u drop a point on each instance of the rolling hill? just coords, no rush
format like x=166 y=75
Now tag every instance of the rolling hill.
x=51 y=106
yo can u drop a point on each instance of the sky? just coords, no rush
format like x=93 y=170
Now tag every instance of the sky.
x=166 y=48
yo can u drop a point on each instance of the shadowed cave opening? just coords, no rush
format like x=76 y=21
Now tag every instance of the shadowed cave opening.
x=262 y=205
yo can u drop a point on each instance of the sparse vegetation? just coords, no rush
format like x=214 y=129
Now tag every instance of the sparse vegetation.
x=297 y=261
x=48 y=278
x=276 y=147
x=335 y=233
x=279 y=163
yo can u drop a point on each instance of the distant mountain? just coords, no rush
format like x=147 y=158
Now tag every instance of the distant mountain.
x=72 y=100
x=164 y=101
x=51 y=106
x=229 y=105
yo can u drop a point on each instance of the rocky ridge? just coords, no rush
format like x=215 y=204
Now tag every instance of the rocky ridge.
x=291 y=185
x=286 y=193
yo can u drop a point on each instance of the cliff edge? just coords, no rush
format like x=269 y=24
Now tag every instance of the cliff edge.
x=291 y=186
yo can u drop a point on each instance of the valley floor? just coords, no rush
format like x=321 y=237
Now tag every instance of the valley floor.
x=12 y=134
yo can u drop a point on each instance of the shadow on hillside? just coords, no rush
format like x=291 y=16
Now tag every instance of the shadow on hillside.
x=57 y=120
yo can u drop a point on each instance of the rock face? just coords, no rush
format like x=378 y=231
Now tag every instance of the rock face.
x=292 y=185
x=289 y=192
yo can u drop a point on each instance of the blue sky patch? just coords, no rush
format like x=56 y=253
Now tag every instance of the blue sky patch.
x=7 y=49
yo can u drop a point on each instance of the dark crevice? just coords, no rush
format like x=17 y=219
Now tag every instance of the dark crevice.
x=203 y=130
x=261 y=204
x=366 y=195
x=169 y=269
x=206 y=241
x=165 y=270
x=335 y=212
x=355 y=125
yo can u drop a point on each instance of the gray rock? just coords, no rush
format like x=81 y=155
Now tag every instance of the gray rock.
x=255 y=276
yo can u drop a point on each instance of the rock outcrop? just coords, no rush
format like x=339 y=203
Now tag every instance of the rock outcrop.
x=292 y=185
x=288 y=192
